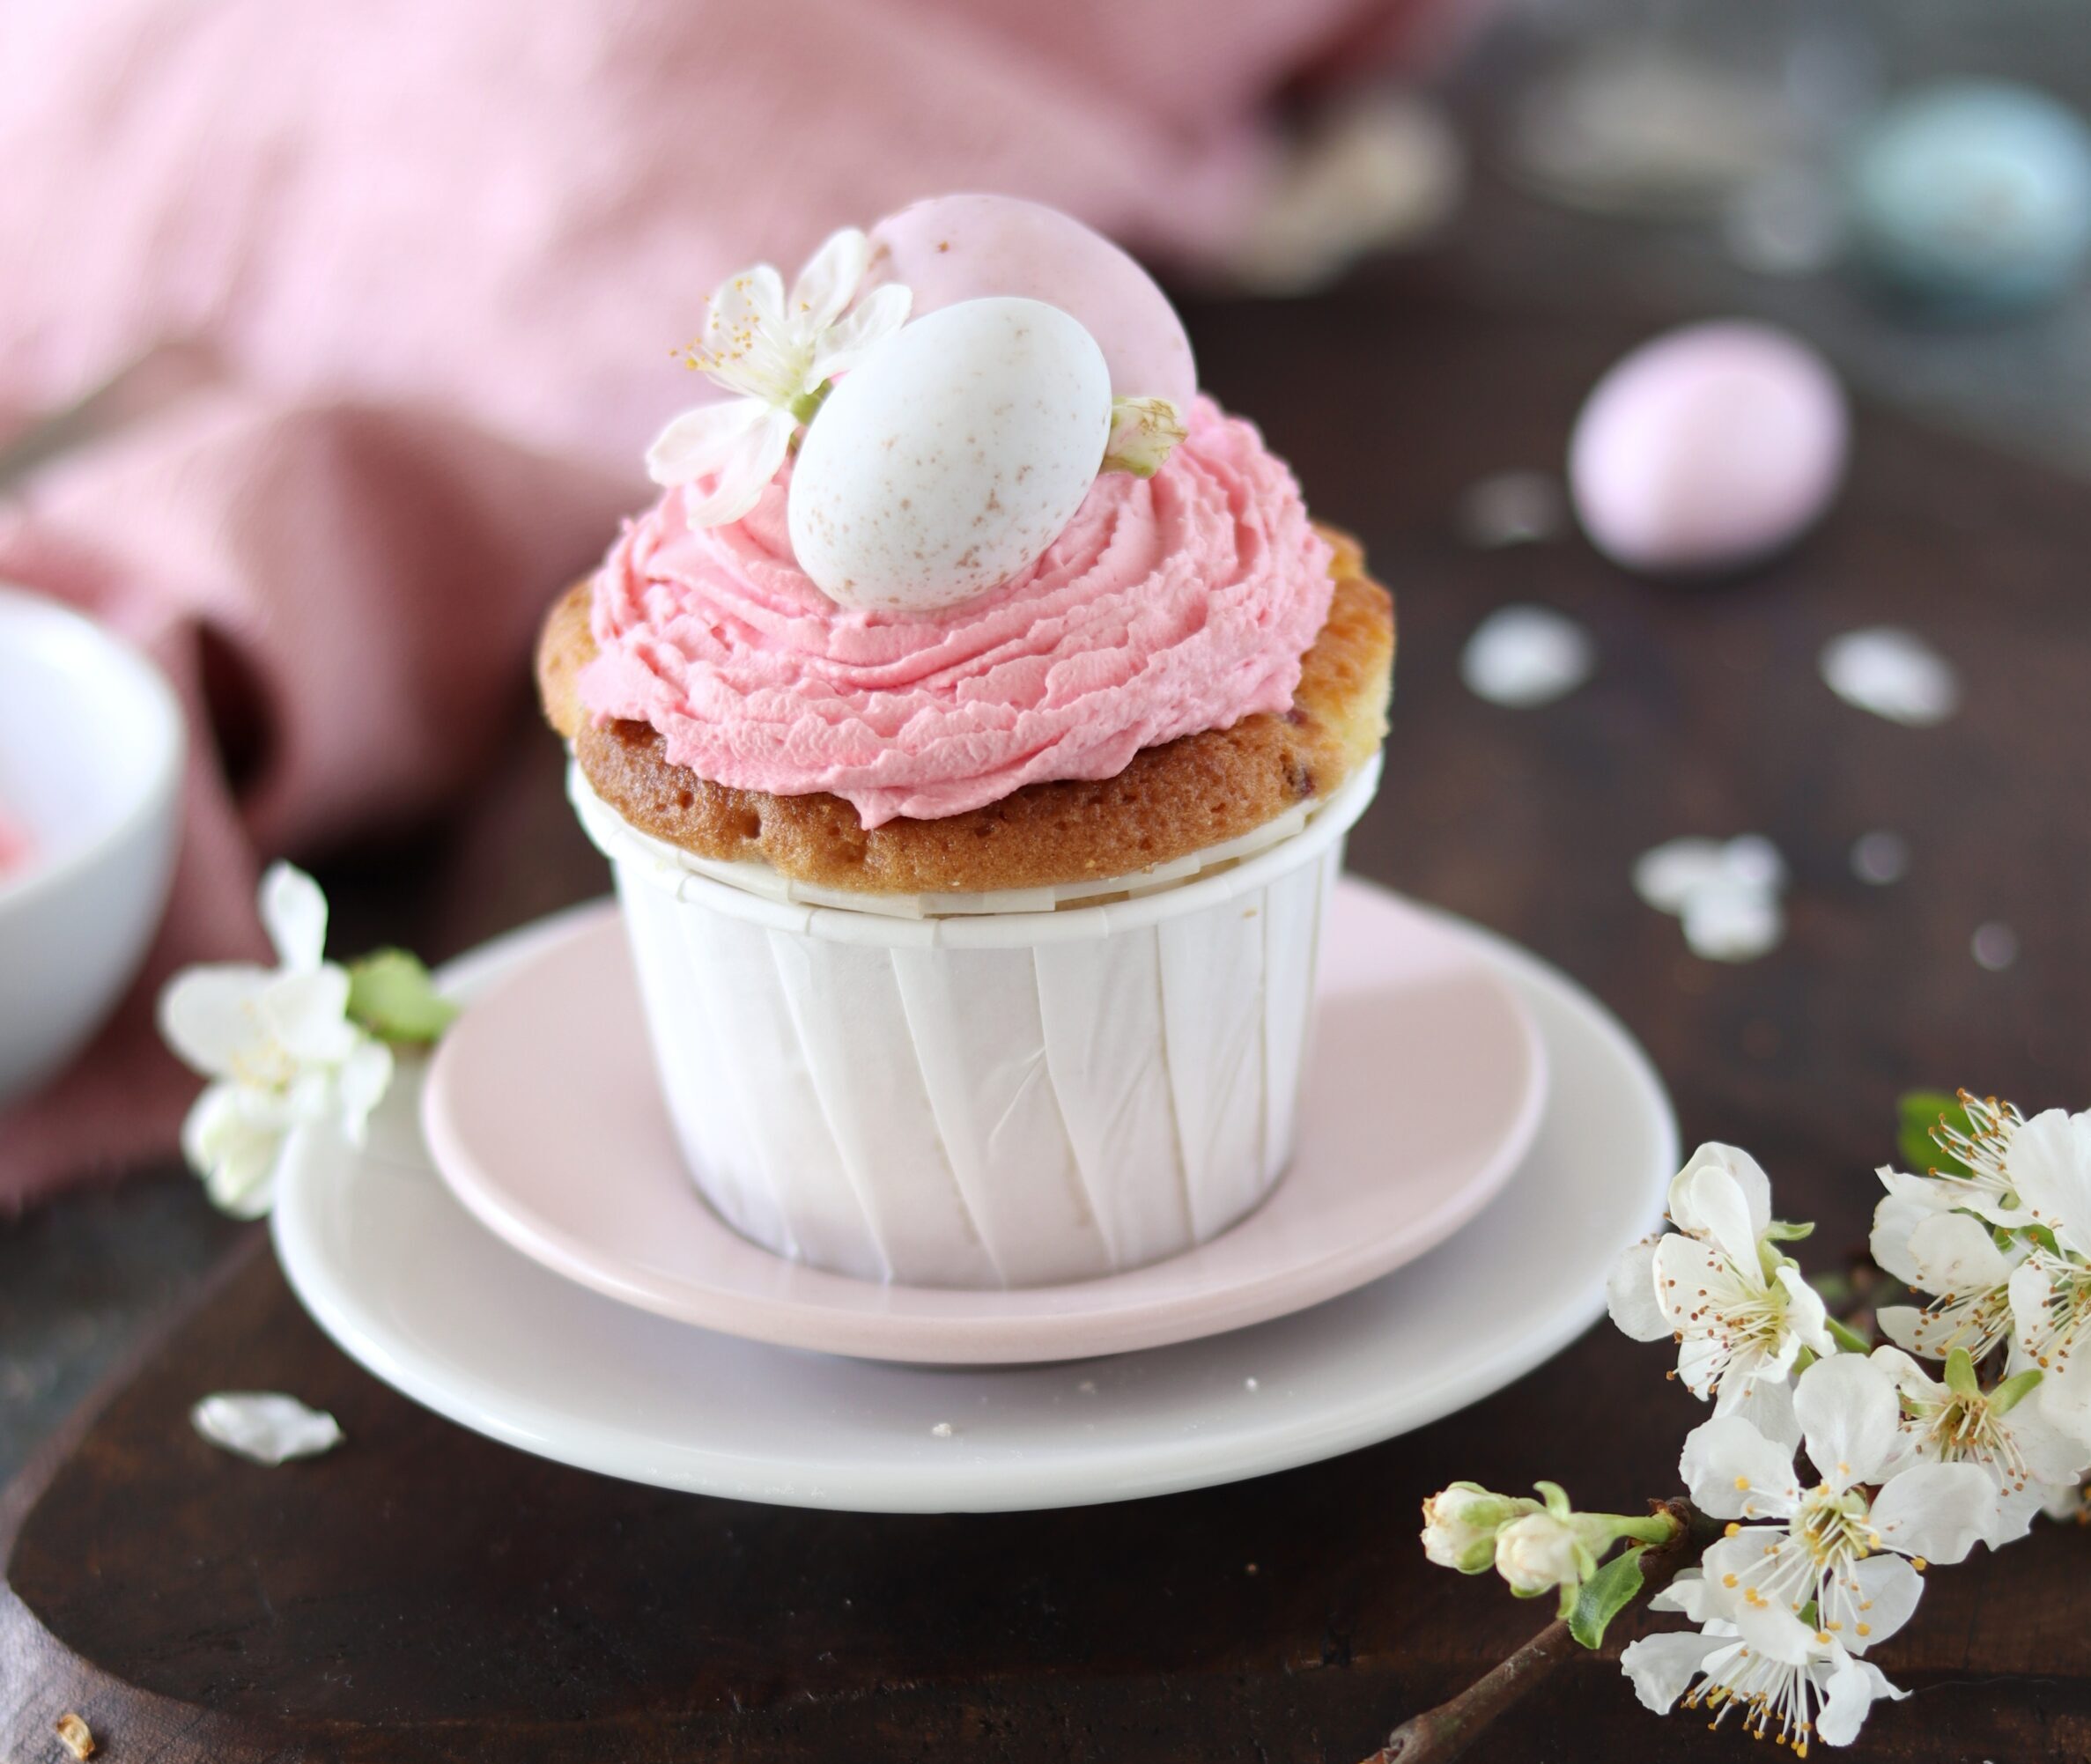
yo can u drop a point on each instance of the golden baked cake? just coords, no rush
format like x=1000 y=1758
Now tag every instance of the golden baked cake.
x=1199 y=790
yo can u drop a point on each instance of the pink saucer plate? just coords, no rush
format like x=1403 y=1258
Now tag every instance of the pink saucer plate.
x=1427 y=1086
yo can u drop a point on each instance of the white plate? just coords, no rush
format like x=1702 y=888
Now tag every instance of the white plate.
x=409 y=1285
x=542 y=1113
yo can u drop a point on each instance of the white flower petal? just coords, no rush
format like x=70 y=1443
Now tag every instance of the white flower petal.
x=850 y=343
x=1774 y=1631
x=1734 y=1472
x=1888 y=1588
x=1903 y=1325
x=1938 y=1511
x=306 y=1015
x=1662 y=1667
x=1848 y=1411
x=294 y=914
x=211 y=1016
x=1717 y=1205
x=233 y=1147
x=1743 y=1171
x=702 y=440
x=1807 y=1318
x=364 y=1076
x=266 y=1426
x=745 y=474
x=1854 y=1688
x=1629 y=1294
x=2049 y=1164
x=2063 y=1397
x=1894 y=1218
x=828 y=280
x=1767 y=1404
x=2016 y=1510
x=1691 y=1594
x=1670 y=875
x=1910 y=1378
x=1954 y=1253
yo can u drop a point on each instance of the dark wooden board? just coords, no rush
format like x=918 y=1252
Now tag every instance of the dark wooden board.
x=425 y=1594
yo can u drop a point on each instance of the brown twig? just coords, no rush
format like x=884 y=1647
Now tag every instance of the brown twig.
x=1441 y=1734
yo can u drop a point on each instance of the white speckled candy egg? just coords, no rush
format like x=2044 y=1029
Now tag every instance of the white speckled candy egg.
x=1708 y=448
x=965 y=247
x=952 y=458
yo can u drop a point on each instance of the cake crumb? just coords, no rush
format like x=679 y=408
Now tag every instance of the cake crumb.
x=943 y=1430
x=1086 y=1387
x=74 y=1735
x=1250 y=1385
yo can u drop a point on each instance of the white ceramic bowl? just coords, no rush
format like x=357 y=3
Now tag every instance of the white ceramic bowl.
x=90 y=746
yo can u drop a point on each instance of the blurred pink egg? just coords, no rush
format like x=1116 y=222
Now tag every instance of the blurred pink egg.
x=964 y=247
x=1707 y=448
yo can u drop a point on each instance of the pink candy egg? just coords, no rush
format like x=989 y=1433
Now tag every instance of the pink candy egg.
x=1707 y=448
x=965 y=247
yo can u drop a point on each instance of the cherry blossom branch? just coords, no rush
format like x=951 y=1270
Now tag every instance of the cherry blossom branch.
x=1439 y=1735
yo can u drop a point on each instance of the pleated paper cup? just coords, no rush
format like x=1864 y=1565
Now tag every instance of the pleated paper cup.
x=983 y=1097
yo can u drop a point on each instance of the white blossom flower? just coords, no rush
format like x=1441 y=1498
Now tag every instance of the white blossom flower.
x=777 y=351
x=1738 y=1310
x=279 y=1044
x=1956 y=1422
x=1540 y=1551
x=1952 y=1257
x=1460 y=1524
x=1822 y=1692
x=1833 y=1565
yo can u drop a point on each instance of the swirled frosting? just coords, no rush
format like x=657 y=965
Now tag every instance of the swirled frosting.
x=1169 y=605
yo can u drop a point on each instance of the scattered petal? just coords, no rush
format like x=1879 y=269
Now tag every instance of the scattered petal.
x=1880 y=857
x=1513 y=508
x=1995 y=946
x=1892 y=673
x=1726 y=893
x=1667 y=876
x=264 y=1427
x=1526 y=655
x=1732 y=923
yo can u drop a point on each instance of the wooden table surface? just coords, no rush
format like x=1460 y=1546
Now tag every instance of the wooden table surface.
x=425 y=1594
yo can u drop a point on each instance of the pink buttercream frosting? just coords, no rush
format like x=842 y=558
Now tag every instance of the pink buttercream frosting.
x=1169 y=605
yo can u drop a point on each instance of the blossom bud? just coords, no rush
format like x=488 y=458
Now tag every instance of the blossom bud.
x=1460 y=1524
x=1537 y=1552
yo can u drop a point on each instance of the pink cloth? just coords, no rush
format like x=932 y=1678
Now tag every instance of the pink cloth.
x=443 y=253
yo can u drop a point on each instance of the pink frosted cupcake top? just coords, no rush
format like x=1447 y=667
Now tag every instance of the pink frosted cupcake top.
x=1168 y=605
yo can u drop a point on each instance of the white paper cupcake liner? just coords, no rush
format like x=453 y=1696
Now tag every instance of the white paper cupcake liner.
x=1001 y=1090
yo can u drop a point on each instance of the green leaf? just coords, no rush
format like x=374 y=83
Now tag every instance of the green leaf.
x=1790 y=1230
x=1846 y=1337
x=2014 y=1390
x=1921 y=1111
x=1604 y=1595
x=391 y=994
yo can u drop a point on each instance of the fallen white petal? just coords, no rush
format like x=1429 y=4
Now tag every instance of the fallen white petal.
x=1512 y=508
x=1526 y=655
x=1880 y=857
x=265 y=1426
x=1995 y=946
x=1670 y=875
x=1892 y=673
x=1732 y=922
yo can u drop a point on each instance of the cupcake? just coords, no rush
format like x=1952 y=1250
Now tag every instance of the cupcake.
x=972 y=727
